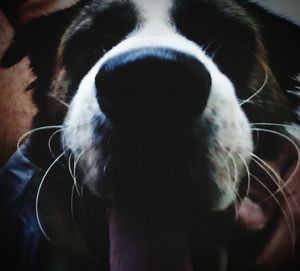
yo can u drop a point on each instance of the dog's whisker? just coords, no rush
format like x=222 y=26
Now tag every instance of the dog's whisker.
x=35 y=130
x=227 y=169
x=50 y=141
x=207 y=46
x=266 y=77
x=72 y=174
x=277 y=180
x=294 y=144
x=247 y=172
x=231 y=179
x=294 y=92
x=249 y=99
x=103 y=50
x=234 y=193
x=106 y=165
x=76 y=161
x=77 y=231
x=75 y=166
x=58 y=100
x=235 y=178
x=70 y=166
x=290 y=221
x=38 y=195
x=269 y=124
x=213 y=55
x=267 y=169
x=73 y=216
x=63 y=143
x=280 y=183
x=293 y=174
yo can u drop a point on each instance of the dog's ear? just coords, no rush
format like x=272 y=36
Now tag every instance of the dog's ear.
x=39 y=39
x=281 y=38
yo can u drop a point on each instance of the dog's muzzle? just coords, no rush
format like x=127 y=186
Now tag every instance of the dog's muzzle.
x=160 y=91
x=153 y=84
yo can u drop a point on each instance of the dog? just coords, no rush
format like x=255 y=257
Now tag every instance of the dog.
x=157 y=128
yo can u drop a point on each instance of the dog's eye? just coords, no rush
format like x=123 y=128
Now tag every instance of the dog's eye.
x=100 y=31
x=225 y=33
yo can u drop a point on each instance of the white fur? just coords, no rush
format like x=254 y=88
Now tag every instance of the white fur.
x=230 y=141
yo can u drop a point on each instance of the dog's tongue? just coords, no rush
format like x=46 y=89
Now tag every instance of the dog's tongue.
x=146 y=238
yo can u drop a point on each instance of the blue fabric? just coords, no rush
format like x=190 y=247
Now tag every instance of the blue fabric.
x=22 y=242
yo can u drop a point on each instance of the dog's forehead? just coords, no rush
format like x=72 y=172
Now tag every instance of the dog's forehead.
x=154 y=8
x=162 y=14
x=163 y=9
x=143 y=6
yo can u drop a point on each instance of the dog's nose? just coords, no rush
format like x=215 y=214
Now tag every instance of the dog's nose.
x=153 y=84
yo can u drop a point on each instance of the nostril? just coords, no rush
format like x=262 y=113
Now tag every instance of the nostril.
x=153 y=83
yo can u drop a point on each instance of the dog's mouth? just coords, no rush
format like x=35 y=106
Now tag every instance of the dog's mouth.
x=162 y=232
x=158 y=214
x=155 y=221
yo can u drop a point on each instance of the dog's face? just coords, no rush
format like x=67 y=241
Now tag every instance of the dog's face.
x=151 y=88
x=169 y=79
x=160 y=101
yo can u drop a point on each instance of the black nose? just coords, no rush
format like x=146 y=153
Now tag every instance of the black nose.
x=156 y=84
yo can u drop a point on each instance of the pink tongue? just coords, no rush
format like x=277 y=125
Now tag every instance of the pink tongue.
x=251 y=215
x=142 y=240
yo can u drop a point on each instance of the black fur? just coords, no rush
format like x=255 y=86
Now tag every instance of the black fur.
x=281 y=39
x=225 y=32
